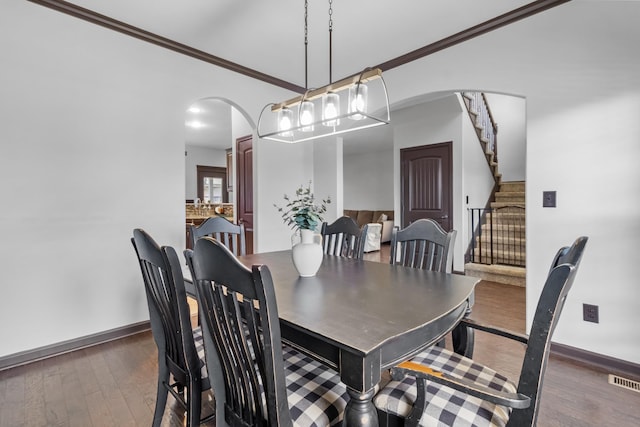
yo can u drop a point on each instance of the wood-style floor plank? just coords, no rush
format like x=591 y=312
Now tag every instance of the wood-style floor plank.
x=55 y=404
x=12 y=388
x=72 y=392
x=34 y=408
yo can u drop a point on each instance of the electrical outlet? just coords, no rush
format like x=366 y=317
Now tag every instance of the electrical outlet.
x=590 y=313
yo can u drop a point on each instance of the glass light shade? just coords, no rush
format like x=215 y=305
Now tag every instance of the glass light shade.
x=285 y=121
x=330 y=109
x=358 y=94
x=306 y=115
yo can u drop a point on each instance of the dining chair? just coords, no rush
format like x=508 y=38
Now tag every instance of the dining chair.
x=230 y=234
x=423 y=244
x=260 y=381
x=344 y=238
x=444 y=388
x=180 y=348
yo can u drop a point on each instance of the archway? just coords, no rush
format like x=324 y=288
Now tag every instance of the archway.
x=374 y=164
x=212 y=126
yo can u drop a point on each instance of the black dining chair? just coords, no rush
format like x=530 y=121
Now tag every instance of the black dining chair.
x=423 y=244
x=343 y=238
x=230 y=234
x=181 y=367
x=443 y=388
x=260 y=381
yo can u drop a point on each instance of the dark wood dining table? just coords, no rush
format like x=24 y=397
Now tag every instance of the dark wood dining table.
x=361 y=317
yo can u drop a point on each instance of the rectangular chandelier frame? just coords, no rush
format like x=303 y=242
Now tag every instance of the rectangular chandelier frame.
x=346 y=121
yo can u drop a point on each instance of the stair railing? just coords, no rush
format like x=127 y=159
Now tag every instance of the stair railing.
x=497 y=236
x=482 y=120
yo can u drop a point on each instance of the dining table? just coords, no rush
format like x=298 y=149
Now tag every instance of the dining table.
x=363 y=317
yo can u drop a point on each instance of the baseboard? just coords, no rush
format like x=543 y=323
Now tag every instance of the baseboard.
x=45 y=352
x=599 y=362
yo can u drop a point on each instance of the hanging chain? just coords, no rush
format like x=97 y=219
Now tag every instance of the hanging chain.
x=306 y=44
x=330 y=41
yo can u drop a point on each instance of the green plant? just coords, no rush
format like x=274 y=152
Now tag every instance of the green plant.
x=302 y=212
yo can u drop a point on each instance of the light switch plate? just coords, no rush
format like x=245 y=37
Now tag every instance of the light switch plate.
x=548 y=199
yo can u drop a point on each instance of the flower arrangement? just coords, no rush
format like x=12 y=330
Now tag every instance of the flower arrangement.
x=302 y=212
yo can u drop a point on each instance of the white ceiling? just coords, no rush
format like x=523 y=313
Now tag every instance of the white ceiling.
x=268 y=36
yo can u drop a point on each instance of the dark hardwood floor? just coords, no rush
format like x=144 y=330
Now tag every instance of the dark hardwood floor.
x=114 y=384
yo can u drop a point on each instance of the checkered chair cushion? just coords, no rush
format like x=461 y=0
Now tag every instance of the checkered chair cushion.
x=199 y=342
x=315 y=394
x=446 y=406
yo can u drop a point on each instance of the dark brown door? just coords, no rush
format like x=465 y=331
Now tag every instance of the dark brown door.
x=245 y=187
x=426 y=184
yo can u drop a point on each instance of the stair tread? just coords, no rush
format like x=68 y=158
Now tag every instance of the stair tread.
x=501 y=242
x=502 y=227
x=520 y=271
x=505 y=204
x=510 y=193
x=497 y=273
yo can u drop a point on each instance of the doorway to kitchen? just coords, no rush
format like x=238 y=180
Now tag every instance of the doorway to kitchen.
x=212 y=184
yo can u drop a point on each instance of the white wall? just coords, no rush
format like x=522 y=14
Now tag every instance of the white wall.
x=578 y=69
x=509 y=112
x=328 y=179
x=200 y=156
x=92 y=146
x=279 y=169
x=368 y=180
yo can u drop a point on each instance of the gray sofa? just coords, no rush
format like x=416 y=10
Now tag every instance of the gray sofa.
x=363 y=217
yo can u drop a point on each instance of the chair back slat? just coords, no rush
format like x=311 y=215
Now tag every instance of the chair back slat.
x=241 y=326
x=343 y=238
x=423 y=244
x=229 y=234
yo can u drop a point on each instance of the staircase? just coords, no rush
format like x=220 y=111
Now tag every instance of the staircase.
x=499 y=252
x=485 y=127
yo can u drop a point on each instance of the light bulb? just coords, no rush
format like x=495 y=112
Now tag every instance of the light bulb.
x=358 y=95
x=307 y=115
x=285 y=121
x=330 y=109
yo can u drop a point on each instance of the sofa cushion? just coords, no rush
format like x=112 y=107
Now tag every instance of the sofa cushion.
x=365 y=217
x=376 y=215
x=351 y=213
x=362 y=217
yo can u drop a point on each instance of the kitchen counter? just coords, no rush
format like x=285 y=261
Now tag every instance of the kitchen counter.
x=198 y=219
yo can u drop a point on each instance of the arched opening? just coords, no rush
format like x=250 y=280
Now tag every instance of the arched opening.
x=212 y=127
x=372 y=178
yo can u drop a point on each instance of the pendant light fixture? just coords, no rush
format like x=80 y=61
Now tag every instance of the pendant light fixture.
x=357 y=102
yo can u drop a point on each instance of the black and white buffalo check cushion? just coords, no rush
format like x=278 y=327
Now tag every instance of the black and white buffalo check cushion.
x=446 y=406
x=199 y=342
x=315 y=394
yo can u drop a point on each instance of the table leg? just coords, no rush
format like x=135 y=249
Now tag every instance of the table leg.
x=360 y=410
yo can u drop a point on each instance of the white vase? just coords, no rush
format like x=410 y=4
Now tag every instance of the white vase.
x=307 y=254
